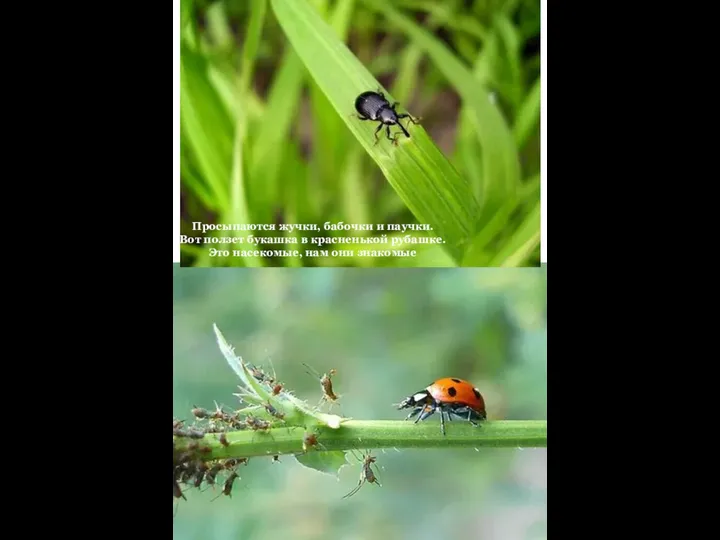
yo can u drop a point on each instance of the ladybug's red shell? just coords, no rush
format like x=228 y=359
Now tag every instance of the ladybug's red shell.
x=457 y=392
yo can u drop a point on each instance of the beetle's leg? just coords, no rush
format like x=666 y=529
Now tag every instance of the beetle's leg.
x=403 y=129
x=360 y=117
x=377 y=140
x=394 y=105
x=442 y=420
x=380 y=92
x=410 y=118
x=391 y=139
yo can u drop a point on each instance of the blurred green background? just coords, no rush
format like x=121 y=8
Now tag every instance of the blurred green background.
x=260 y=143
x=388 y=333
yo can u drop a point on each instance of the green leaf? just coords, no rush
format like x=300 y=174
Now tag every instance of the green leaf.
x=239 y=211
x=325 y=462
x=237 y=365
x=252 y=42
x=186 y=8
x=330 y=139
x=523 y=243
x=481 y=252
x=501 y=166
x=528 y=117
x=206 y=126
x=421 y=175
x=268 y=144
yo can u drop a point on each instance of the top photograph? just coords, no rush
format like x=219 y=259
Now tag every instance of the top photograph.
x=360 y=133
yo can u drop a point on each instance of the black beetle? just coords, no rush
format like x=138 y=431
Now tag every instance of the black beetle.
x=373 y=106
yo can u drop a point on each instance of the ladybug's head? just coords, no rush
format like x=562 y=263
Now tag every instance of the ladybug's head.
x=416 y=400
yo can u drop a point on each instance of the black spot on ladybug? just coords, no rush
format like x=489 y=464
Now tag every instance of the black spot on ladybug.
x=456 y=380
x=477 y=394
x=451 y=391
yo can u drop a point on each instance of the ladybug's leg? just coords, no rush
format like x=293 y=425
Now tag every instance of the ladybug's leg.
x=415 y=412
x=466 y=413
x=469 y=415
x=427 y=411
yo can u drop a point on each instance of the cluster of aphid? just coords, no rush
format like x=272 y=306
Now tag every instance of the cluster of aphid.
x=191 y=468
x=452 y=397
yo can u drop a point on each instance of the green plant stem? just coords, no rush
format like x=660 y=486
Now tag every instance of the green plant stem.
x=374 y=434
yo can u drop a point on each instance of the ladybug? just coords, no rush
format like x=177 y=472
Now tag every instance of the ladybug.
x=453 y=397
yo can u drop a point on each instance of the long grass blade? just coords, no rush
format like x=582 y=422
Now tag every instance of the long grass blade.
x=422 y=176
x=501 y=166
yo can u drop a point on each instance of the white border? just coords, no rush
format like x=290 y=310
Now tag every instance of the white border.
x=543 y=131
x=176 y=131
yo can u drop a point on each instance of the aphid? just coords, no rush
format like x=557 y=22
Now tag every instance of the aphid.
x=223 y=440
x=276 y=459
x=257 y=423
x=227 y=487
x=194 y=433
x=452 y=397
x=219 y=414
x=177 y=492
x=366 y=474
x=325 y=383
x=213 y=427
x=200 y=474
x=193 y=446
x=181 y=458
x=273 y=411
x=231 y=463
x=263 y=377
x=188 y=472
x=212 y=473
x=309 y=440
x=238 y=424
x=200 y=413
x=373 y=106
x=259 y=374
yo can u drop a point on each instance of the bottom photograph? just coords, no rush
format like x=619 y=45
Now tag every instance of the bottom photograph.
x=343 y=403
